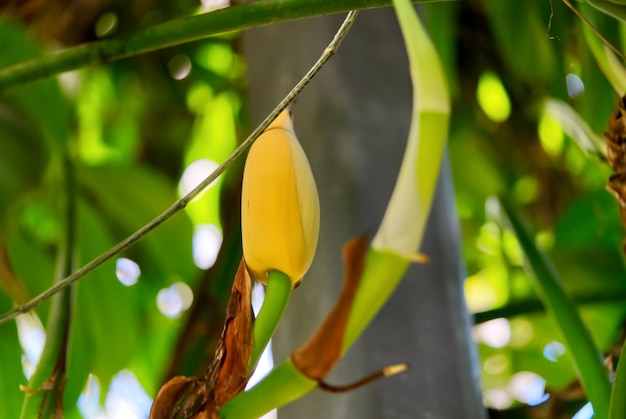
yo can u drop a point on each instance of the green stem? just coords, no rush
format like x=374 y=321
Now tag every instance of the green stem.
x=583 y=352
x=617 y=408
x=269 y=393
x=177 y=32
x=277 y=295
x=48 y=381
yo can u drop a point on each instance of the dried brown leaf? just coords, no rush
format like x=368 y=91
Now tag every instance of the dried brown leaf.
x=168 y=399
x=320 y=353
x=200 y=398
x=616 y=155
x=237 y=339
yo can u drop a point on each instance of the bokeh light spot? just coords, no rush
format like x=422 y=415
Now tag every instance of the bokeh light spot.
x=497 y=398
x=553 y=351
x=216 y=57
x=172 y=301
x=32 y=337
x=529 y=388
x=179 y=66
x=207 y=240
x=126 y=398
x=551 y=135
x=586 y=412
x=495 y=333
x=209 y=5
x=127 y=271
x=89 y=400
x=479 y=293
x=496 y=364
x=493 y=98
x=575 y=85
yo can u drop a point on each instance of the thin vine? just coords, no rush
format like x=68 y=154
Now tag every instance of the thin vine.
x=182 y=202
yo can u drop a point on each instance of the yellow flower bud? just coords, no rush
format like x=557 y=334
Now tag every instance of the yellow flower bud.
x=279 y=205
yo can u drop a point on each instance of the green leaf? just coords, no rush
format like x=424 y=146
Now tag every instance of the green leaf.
x=618 y=401
x=42 y=101
x=535 y=58
x=132 y=196
x=584 y=355
x=11 y=375
x=105 y=313
x=22 y=158
x=610 y=7
x=403 y=224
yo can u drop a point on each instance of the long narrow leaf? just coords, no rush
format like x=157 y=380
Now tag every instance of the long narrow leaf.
x=402 y=228
x=583 y=353
x=618 y=399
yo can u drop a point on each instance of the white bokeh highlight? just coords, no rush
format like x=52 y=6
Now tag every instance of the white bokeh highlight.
x=32 y=337
x=127 y=271
x=585 y=412
x=497 y=398
x=553 y=351
x=575 y=85
x=175 y=299
x=125 y=399
x=529 y=388
x=207 y=240
x=495 y=333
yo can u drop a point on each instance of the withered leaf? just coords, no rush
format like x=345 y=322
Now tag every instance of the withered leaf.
x=616 y=155
x=320 y=353
x=201 y=398
x=168 y=400
x=232 y=374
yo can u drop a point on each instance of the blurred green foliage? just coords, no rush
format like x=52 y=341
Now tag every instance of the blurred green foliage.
x=134 y=126
x=132 y=129
x=531 y=157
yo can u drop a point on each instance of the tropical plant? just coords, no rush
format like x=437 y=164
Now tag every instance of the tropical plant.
x=102 y=137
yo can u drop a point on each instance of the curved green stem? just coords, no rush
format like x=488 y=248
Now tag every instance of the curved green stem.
x=269 y=393
x=277 y=295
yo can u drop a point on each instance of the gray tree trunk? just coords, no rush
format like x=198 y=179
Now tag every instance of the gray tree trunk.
x=352 y=121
